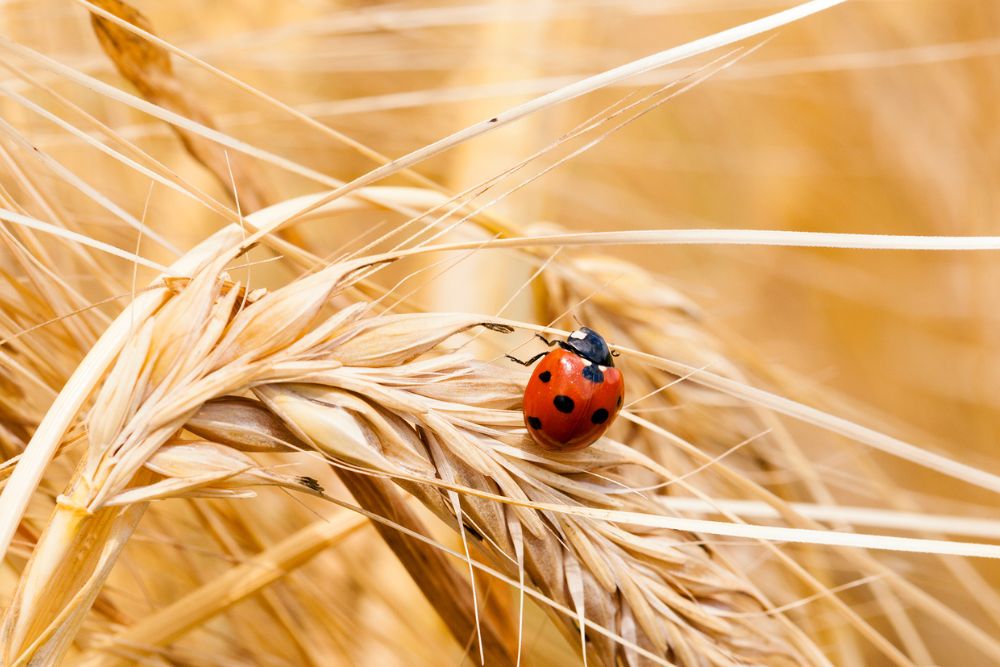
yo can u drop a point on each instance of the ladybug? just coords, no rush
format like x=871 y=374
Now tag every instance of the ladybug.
x=574 y=394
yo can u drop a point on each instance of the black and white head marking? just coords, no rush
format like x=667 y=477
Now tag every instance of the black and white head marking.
x=590 y=345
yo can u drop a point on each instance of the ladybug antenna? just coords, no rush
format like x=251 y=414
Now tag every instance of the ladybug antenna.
x=615 y=353
x=573 y=315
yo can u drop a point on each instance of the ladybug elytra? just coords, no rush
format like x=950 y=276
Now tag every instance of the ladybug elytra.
x=574 y=393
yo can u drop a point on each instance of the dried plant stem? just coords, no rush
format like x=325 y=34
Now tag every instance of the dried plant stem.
x=431 y=569
x=239 y=583
x=845 y=427
x=167 y=47
x=270 y=602
x=45 y=441
x=952 y=524
x=818 y=561
x=569 y=92
x=445 y=588
x=40 y=626
x=863 y=560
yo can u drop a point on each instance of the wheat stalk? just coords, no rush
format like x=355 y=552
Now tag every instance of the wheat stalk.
x=360 y=388
x=360 y=395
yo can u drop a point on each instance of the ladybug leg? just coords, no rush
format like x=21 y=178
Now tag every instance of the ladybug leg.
x=545 y=340
x=529 y=361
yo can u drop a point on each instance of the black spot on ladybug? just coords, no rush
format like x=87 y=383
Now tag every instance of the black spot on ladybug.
x=593 y=373
x=563 y=403
x=600 y=416
x=545 y=376
x=619 y=400
x=535 y=423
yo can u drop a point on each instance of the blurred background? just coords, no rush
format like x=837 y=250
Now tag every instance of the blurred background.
x=878 y=116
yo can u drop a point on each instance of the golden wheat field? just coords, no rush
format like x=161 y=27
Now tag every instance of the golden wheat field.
x=262 y=264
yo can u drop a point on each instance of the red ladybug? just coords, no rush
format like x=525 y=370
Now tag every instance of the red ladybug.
x=574 y=394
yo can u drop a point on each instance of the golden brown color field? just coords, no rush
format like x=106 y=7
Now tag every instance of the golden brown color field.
x=261 y=263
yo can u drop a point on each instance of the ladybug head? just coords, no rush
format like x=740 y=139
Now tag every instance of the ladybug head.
x=590 y=345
